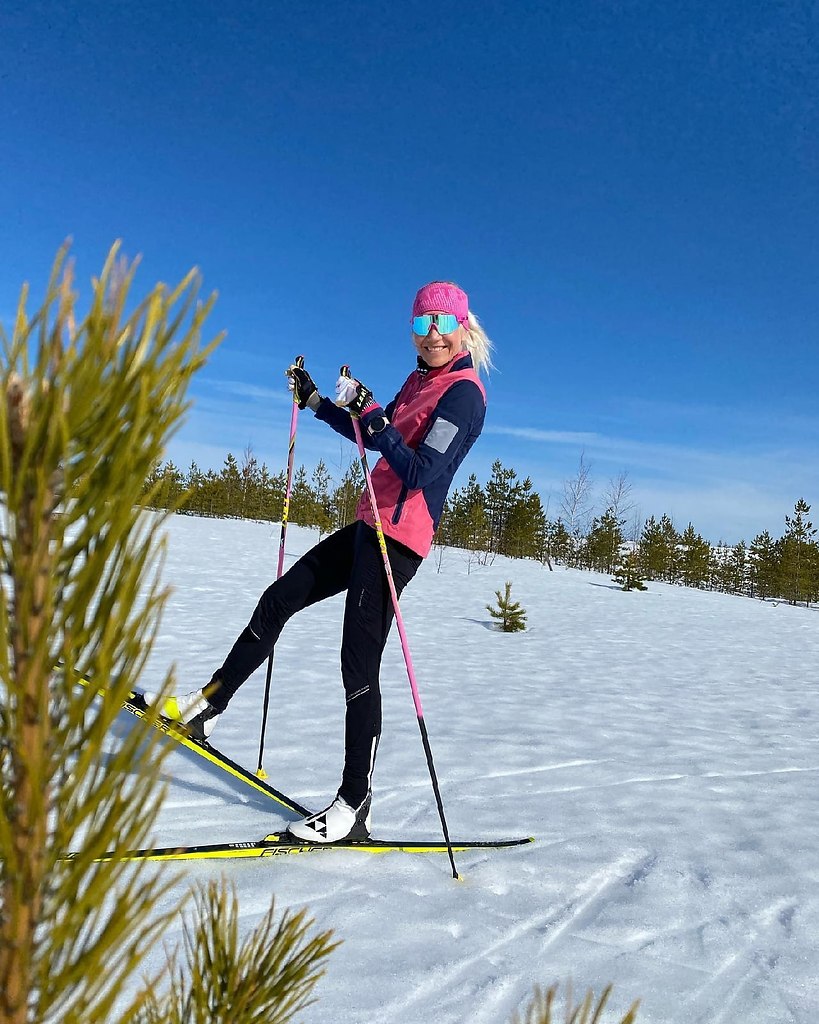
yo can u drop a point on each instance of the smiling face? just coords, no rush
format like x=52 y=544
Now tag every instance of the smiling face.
x=438 y=349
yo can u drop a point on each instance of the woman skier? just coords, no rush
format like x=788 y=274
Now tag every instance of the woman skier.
x=422 y=436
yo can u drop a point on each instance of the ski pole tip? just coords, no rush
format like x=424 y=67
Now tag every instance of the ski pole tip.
x=261 y=773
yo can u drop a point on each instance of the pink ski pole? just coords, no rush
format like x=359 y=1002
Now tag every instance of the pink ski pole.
x=294 y=415
x=404 y=643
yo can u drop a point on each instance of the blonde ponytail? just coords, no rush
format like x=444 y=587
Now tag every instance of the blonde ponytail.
x=479 y=345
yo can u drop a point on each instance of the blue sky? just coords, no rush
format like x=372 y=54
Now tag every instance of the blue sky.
x=628 y=191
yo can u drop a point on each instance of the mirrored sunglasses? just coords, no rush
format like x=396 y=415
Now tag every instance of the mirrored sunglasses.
x=446 y=323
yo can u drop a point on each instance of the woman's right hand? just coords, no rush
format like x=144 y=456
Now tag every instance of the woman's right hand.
x=305 y=393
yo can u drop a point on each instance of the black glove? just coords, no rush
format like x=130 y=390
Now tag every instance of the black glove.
x=305 y=393
x=353 y=395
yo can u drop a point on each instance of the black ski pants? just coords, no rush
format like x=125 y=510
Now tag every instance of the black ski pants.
x=350 y=560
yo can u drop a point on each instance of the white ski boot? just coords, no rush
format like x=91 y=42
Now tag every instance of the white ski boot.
x=335 y=823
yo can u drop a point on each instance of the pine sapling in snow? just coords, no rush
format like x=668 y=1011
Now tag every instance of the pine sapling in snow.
x=628 y=574
x=509 y=615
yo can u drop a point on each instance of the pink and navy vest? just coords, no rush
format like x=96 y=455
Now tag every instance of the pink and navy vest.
x=437 y=416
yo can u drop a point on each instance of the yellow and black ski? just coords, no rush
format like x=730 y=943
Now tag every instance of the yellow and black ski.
x=135 y=704
x=278 y=843
x=281 y=843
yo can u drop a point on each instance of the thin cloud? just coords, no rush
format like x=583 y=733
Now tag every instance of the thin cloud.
x=537 y=435
x=667 y=458
x=728 y=492
x=241 y=389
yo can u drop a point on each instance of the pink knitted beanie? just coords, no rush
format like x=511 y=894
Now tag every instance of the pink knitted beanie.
x=442 y=297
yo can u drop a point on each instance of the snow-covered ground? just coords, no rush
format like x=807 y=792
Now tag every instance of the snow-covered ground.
x=662 y=747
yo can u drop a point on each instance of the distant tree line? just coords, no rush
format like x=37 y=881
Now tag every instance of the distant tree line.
x=506 y=516
x=248 y=490
x=786 y=567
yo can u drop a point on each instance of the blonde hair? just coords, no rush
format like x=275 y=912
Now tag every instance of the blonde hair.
x=479 y=345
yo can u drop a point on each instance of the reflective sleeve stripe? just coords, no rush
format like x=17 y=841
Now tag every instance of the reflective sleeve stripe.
x=441 y=435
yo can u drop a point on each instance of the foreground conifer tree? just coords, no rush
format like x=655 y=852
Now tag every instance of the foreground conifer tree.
x=85 y=411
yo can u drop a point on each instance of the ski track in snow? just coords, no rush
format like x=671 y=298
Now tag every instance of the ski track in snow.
x=661 y=747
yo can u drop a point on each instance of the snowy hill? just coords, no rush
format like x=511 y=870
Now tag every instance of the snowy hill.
x=662 y=747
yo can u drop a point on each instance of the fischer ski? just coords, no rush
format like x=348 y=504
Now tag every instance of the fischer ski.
x=277 y=843
x=280 y=843
x=135 y=704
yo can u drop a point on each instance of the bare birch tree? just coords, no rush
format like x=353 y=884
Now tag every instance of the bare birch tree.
x=576 y=500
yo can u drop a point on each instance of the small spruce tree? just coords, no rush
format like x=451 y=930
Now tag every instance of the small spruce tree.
x=509 y=615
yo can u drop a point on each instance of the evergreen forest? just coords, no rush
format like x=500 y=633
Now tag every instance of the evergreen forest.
x=506 y=516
